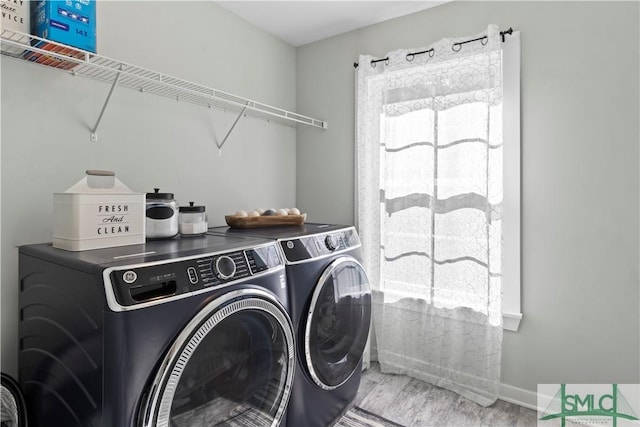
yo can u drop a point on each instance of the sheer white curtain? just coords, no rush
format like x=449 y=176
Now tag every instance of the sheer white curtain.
x=429 y=161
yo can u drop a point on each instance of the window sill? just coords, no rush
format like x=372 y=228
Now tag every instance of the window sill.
x=511 y=321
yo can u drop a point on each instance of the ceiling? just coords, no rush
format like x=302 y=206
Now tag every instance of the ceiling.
x=301 y=22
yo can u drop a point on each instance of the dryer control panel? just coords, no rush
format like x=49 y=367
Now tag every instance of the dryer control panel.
x=319 y=245
x=165 y=280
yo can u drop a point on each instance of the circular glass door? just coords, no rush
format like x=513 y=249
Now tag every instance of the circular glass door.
x=337 y=326
x=231 y=366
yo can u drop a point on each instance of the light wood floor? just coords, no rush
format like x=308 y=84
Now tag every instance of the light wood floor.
x=414 y=403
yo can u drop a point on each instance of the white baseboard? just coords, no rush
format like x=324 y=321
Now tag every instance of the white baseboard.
x=518 y=396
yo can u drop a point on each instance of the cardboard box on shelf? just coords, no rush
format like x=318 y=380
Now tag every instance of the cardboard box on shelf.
x=54 y=61
x=15 y=17
x=69 y=22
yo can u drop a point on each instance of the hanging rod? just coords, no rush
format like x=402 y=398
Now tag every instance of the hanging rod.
x=503 y=33
x=411 y=55
x=482 y=40
x=431 y=52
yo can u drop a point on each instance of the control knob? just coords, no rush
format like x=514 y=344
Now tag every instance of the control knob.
x=225 y=267
x=331 y=242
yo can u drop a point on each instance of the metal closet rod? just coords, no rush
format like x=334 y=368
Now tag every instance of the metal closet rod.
x=455 y=47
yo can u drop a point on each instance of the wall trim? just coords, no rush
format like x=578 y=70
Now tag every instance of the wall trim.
x=512 y=182
x=519 y=396
x=522 y=397
x=511 y=321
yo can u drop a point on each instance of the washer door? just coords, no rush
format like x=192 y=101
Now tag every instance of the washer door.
x=337 y=325
x=232 y=365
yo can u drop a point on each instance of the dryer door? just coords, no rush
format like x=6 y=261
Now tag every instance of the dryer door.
x=337 y=325
x=232 y=365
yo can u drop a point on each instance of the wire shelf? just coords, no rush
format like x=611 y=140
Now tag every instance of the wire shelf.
x=41 y=51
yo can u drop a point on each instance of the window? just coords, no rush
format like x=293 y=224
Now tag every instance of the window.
x=444 y=170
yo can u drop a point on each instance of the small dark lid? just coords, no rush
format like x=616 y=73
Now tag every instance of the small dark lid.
x=191 y=208
x=159 y=196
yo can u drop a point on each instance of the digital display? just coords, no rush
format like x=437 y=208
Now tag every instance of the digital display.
x=261 y=259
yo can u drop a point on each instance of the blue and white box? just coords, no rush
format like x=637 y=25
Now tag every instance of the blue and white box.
x=70 y=22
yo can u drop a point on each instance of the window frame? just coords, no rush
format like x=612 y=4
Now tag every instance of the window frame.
x=511 y=231
x=511 y=251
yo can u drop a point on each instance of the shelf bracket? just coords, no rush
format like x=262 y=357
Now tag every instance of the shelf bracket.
x=94 y=130
x=230 y=130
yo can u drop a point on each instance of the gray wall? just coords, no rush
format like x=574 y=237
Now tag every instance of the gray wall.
x=147 y=140
x=580 y=193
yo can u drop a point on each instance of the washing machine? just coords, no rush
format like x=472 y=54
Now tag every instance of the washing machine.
x=182 y=332
x=330 y=303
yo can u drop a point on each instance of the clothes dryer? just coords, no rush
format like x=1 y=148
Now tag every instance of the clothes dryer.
x=330 y=302
x=181 y=332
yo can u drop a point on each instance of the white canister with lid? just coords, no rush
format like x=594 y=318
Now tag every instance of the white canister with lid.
x=161 y=215
x=98 y=211
x=192 y=220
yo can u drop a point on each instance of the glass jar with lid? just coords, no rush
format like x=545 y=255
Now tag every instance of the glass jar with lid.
x=161 y=215
x=192 y=220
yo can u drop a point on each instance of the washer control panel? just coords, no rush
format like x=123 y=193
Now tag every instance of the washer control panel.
x=143 y=283
x=217 y=269
x=319 y=245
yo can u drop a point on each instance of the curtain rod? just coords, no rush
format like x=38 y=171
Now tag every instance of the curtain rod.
x=431 y=52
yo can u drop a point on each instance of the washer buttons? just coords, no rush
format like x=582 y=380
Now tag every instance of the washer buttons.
x=193 y=275
x=331 y=242
x=226 y=267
